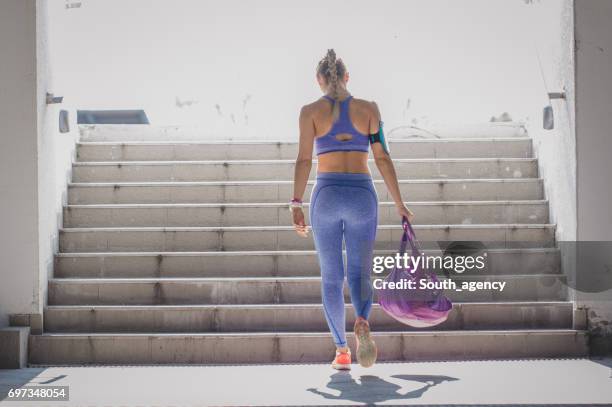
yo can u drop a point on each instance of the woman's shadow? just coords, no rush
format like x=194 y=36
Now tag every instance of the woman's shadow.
x=373 y=389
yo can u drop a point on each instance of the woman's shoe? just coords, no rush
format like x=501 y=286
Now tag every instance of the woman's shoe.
x=342 y=361
x=366 y=348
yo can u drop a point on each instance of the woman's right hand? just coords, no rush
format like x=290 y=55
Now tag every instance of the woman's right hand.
x=298 y=222
x=402 y=210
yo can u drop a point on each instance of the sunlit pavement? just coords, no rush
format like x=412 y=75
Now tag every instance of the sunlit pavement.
x=521 y=382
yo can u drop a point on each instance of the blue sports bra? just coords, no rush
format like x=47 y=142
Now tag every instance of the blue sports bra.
x=328 y=142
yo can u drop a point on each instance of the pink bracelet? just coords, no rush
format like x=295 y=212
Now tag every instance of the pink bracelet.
x=295 y=203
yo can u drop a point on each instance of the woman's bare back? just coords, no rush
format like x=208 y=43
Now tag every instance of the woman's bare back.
x=361 y=113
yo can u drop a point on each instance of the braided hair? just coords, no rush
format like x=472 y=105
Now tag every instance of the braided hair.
x=331 y=69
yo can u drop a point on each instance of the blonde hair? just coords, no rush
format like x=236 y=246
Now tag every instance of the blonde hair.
x=331 y=69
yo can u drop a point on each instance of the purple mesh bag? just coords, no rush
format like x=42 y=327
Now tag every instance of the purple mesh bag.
x=417 y=307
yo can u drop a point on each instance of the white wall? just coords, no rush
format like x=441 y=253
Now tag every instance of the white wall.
x=551 y=27
x=34 y=158
x=18 y=157
x=574 y=158
x=550 y=23
x=55 y=151
x=433 y=61
x=593 y=118
x=594 y=151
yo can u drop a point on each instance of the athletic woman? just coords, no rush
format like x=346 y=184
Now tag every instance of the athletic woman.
x=343 y=201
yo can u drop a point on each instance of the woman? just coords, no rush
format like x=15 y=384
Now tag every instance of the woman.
x=343 y=202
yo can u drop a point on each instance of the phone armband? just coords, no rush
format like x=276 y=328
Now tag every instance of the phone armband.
x=379 y=137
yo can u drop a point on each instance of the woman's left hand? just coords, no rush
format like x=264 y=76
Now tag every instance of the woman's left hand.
x=402 y=210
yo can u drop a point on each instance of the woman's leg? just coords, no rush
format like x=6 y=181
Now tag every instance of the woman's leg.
x=360 y=222
x=327 y=233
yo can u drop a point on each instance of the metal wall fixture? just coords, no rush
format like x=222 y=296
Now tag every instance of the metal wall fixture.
x=548 y=115
x=51 y=98
x=64 y=121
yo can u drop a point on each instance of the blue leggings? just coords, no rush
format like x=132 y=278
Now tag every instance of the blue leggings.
x=344 y=205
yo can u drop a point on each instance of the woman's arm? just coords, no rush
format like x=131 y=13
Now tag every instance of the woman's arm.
x=385 y=166
x=303 y=165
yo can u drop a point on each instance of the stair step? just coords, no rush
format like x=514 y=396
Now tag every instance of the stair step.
x=278 y=191
x=292 y=317
x=418 y=148
x=277 y=214
x=147 y=132
x=262 y=263
x=275 y=290
x=299 y=347
x=177 y=252
x=138 y=171
x=285 y=238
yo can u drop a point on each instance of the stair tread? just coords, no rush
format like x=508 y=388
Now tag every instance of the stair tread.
x=283 y=204
x=292 y=305
x=270 y=142
x=558 y=331
x=244 y=279
x=273 y=252
x=263 y=182
x=288 y=161
x=246 y=228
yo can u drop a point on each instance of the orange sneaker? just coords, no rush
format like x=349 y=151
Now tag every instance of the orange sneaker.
x=342 y=361
x=366 y=348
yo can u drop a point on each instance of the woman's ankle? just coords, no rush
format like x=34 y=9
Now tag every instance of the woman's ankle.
x=343 y=349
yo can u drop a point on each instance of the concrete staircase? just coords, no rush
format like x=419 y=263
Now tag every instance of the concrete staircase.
x=179 y=252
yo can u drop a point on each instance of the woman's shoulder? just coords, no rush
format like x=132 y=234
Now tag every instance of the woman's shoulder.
x=313 y=106
x=368 y=104
x=309 y=109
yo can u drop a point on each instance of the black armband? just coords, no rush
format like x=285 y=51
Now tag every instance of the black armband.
x=379 y=137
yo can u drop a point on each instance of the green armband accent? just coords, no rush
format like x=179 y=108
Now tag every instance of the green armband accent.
x=379 y=137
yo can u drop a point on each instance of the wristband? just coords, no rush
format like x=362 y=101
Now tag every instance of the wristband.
x=295 y=203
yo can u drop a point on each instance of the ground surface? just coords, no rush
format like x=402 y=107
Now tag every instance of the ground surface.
x=515 y=382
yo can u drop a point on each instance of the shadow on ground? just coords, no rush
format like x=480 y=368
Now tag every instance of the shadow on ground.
x=16 y=378
x=603 y=360
x=373 y=389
